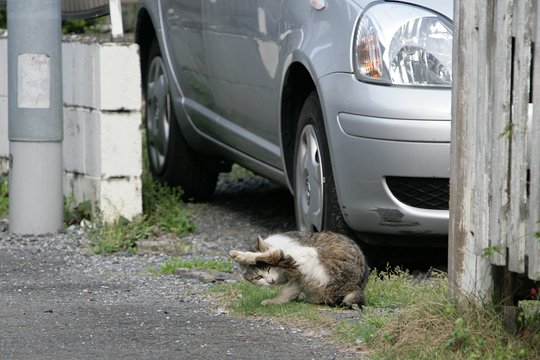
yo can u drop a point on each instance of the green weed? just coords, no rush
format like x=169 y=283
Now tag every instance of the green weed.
x=529 y=318
x=491 y=250
x=74 y=213
x=85 y=26
x=396 y=288
x=121 y=235
x=4 y=200
x=163 y=206
x=164 y=209
x=507 y=131
x=170 y=266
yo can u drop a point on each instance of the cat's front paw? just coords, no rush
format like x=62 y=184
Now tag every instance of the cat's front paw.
x=242 y=257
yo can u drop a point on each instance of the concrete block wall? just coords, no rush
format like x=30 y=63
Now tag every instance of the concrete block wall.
x=102 y=124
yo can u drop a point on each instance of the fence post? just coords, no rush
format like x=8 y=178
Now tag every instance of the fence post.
x=35 y=116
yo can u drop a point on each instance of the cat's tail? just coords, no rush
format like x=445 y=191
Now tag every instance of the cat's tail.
x=365 y=276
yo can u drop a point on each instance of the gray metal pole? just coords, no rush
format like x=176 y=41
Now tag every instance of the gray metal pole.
x=35 y=116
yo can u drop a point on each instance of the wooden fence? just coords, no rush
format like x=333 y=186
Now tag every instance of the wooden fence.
x=495 y=161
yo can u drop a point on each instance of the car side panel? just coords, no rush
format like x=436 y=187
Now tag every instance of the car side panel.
x=242 y=39
x=184 y=40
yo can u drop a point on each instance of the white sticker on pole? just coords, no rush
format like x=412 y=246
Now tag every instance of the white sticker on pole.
x=34 y=81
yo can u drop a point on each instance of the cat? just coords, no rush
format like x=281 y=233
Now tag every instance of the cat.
x=327 y=268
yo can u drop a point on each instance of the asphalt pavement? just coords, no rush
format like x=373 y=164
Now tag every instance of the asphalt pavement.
x=58 y=301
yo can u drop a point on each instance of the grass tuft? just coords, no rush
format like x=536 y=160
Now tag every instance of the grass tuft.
x=414 y=319
x=245 y=299
x=395 y=288
x=170 y=266
x=442 y=330
x=164 y=207
x=121 y=235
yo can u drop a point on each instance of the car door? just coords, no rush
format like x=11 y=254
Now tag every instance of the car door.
x=182 y=20
x=242 y=39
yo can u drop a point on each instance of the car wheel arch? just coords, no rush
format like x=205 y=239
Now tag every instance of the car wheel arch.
x=297 y=86
x=145 y=33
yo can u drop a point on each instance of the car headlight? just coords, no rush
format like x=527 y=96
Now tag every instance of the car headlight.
x=403 y=44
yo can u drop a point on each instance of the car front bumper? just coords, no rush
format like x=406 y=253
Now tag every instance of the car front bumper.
x=378 y=133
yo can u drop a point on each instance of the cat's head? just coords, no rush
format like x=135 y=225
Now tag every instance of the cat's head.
x=263 y=274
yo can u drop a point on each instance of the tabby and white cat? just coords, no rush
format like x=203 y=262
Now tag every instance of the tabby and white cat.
x=328 y=268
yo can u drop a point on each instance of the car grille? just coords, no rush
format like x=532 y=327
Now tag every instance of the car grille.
x=424 y=193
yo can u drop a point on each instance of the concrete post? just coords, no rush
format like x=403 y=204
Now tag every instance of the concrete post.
x=35 y=116
x=115 y=12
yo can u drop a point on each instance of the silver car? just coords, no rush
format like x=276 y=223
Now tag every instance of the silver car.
x=345 y=102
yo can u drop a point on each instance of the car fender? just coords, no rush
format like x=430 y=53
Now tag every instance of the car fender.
x=319 y=47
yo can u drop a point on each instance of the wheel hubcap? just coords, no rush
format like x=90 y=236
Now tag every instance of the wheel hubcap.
x=307 y=190
x=157 y=114
x=309 y=182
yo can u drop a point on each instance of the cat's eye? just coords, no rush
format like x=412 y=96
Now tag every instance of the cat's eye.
x=259 y=277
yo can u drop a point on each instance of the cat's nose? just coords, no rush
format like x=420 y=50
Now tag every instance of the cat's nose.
x=271 y=281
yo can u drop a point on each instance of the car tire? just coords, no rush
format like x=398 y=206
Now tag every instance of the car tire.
x=315 y=198
x=171 y=160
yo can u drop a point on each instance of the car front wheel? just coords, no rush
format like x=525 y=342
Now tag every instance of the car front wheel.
x=316 y=204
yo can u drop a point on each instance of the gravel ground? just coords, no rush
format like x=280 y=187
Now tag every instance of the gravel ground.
x=59 y=301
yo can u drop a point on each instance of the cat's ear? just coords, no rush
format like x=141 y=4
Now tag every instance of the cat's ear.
x=261 y=245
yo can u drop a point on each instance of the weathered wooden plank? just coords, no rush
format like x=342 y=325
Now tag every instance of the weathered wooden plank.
x=468 y=272
x=482 y=174
x=462 y=87
x=499 y=144
x=533 y=246
x=518 y=152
